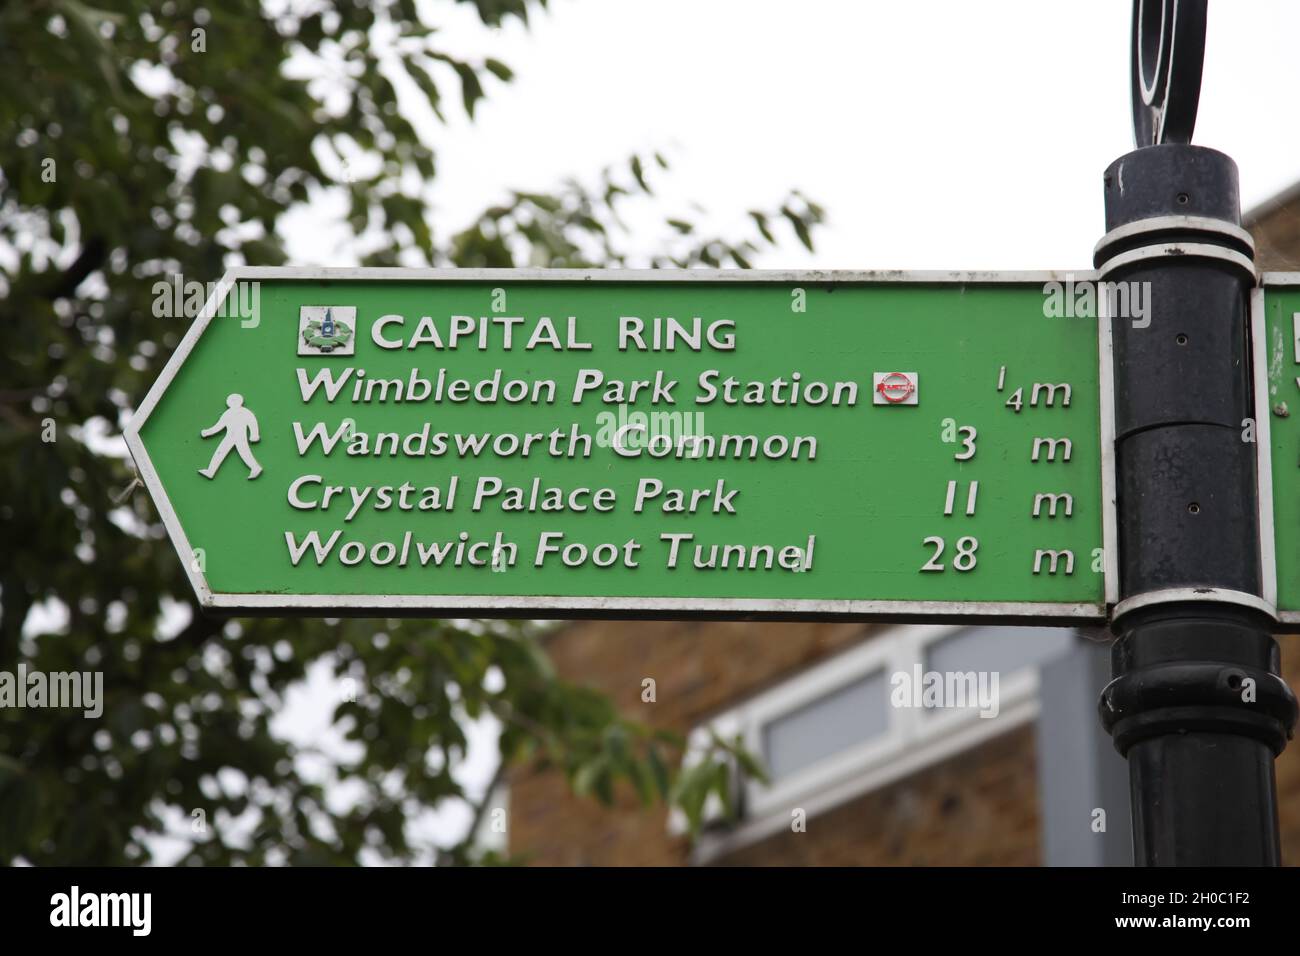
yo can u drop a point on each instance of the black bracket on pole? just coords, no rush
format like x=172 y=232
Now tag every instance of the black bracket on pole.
x=1197 y=704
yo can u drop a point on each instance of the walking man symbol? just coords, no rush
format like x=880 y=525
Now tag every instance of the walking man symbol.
x=240 y=426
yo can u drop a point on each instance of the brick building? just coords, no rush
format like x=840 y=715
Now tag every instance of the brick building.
x=876 y=785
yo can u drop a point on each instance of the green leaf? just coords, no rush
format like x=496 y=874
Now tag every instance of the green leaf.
x=639 y=173
x=471 y=90
x=800 y=227
x=498 y=69
x=749 y=764
x=658 y=771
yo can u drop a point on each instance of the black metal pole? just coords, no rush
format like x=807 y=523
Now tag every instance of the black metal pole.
x=1197 y=704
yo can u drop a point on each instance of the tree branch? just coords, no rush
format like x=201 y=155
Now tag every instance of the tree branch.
x=90 y=258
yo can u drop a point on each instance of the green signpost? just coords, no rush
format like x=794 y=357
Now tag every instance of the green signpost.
x=558 y=444
x=1276 y=323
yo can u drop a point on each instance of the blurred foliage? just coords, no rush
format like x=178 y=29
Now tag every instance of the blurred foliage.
x=162 y=138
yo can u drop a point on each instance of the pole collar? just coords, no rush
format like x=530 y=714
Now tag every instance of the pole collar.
x=1175 y=250
x=1198 y=595
x=1156 y=229
x=1206 y=696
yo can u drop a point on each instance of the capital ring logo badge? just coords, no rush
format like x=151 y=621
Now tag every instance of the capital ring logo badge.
x=327 y=330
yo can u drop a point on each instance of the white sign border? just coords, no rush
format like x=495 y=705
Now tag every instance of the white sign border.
x=622 y=607
x=1287 y=620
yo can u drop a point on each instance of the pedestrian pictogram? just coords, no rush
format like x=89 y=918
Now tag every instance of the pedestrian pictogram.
x=240 y=426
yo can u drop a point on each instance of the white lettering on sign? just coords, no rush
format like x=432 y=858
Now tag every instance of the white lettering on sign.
x=483 y=333
x=667 y=333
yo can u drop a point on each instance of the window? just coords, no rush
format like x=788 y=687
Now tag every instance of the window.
x=850 y=715
x=863 y=719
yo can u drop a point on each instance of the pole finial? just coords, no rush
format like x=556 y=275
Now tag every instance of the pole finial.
x=1168 y=52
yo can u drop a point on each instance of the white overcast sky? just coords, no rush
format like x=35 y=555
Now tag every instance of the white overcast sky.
x=953 y=134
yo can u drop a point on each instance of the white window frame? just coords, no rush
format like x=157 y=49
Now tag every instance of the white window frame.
x=818 y=682
x=915 y=737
